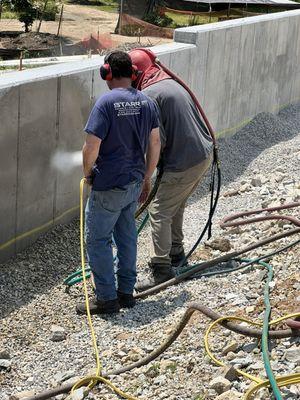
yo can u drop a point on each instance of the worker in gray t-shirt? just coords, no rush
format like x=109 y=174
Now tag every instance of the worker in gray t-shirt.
x=186 y=156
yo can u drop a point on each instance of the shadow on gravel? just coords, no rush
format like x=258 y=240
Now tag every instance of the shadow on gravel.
x=147 y=311
x=40 y=267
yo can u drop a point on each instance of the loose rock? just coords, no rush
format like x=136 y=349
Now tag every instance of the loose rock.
x=220 y=384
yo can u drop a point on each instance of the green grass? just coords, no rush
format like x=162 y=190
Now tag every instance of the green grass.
x=102 y=5
x=8 y=15
x=186 y=20
x=112 y=7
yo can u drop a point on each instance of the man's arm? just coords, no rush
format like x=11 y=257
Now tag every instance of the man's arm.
x=90 y=152
x=152 y=158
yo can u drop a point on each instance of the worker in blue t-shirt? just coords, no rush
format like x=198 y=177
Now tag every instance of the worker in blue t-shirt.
x=120 y=154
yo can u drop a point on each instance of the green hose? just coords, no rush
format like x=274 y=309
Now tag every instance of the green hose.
x=266 y=319
x=267 y=313
x=265 y=333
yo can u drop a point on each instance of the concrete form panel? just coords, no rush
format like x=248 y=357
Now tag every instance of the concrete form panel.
x=229 y=97
x=74 y=106
x=292 y=80
x=198 y=65
x=183 y=36
x=180 y=64
x=269 y=85
x=165 y=59
x=245 y=76
x=214 y=94
x=37 y=139
x=9 y=110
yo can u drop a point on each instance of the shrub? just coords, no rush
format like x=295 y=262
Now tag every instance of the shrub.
x=50 y=11
x=158 y=18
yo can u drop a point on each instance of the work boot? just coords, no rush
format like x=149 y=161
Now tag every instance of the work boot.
x=126 y=300
x=177 y=259
x=99 y=307
x=159 y=273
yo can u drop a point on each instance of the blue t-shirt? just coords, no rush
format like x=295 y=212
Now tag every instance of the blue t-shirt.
x=123 y=120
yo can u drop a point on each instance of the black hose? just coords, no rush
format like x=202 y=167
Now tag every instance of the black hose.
x=215 y=261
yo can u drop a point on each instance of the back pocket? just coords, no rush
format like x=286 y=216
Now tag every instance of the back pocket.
x=113 y=200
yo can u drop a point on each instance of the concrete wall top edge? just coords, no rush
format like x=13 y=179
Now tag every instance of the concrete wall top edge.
x=189 y=34
x=53 y=71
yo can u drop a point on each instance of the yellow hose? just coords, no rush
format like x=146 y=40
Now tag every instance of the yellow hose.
x=91 y=381
x=260 y=383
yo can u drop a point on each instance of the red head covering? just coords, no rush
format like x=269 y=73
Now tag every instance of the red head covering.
x=149 y=71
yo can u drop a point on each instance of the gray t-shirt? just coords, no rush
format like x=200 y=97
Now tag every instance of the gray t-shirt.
x=185 y=139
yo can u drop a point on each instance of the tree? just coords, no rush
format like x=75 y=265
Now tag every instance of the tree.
x=26 y=12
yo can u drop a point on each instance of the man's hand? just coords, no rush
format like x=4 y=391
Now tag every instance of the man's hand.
x=89 y=180
x=145 y=190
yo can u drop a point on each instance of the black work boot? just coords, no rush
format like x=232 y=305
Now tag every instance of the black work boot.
x=99 y=307
x=177 y=259
x=159 y=273
x=126 y=300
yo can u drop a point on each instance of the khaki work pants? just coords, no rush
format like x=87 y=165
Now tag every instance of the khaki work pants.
x=167 y=208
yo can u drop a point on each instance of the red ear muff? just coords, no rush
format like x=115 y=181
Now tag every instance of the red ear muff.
x=105 y=72
x=135 y=73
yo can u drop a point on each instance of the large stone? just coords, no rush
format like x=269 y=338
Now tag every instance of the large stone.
x=245 y=188
x=230 y=347
x=293 y=355
x=220 y=384
x=249 y=347
x=220 y=244
x=230 y=373
x=22 y=395
x=58 y=333
x=5 y=364
x=241 y=362
x=4 y=355
x=230 y=395
x=256 y=182
x=78 y=394
x=63 y=376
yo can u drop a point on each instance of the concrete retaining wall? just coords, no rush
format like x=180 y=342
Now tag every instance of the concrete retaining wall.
x=237 y=69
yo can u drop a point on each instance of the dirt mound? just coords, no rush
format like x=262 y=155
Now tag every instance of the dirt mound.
x=34 y=44
x=28 y=41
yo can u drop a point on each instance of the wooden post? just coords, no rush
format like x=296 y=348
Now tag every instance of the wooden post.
x=60 y=19
x=42 y=14
x=121 y=17
x=21 y=61
x=228 y=11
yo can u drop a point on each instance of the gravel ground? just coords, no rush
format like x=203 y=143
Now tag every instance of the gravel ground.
x=260 y=165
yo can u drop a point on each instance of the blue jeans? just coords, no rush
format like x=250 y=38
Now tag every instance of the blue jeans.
x=111 y=214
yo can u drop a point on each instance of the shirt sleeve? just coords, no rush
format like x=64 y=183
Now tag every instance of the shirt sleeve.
x=155 y=117
x=98 y=123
